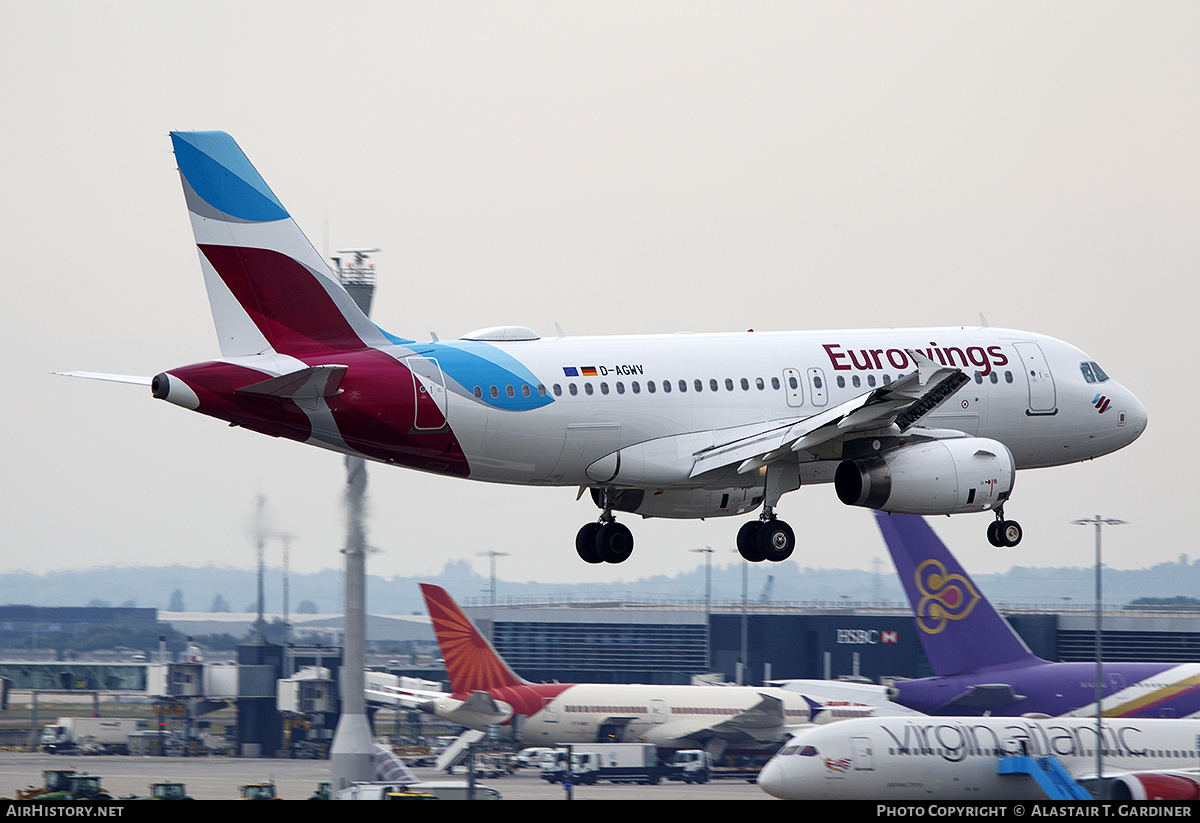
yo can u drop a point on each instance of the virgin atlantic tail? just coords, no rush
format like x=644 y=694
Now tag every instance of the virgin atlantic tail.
x=471 y=662
x=960 y=630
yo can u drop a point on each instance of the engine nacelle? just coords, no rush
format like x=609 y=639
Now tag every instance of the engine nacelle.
x=1154 y=786
x=682 y=503
x=965 y=474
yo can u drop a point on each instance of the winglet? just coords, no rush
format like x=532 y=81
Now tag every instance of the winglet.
x=471 y=662
x=959 y=629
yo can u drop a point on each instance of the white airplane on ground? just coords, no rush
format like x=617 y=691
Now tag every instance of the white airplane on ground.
x=486 y=692
x=916 y=421
x=957 y=758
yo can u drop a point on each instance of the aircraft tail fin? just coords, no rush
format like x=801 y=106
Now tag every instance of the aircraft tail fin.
x=471 y=662
x=268 y=288
x=959 y=629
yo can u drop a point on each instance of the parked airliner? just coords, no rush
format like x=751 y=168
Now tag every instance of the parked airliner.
x=486 y=692
x=981 y=666
x=957 y=758
x=921 y=421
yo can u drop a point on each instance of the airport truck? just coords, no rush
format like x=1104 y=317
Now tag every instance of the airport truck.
x=101 y=735
x=698 y=766
x=615 y=762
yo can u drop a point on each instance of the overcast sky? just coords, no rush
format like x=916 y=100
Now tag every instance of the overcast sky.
x=610 y=166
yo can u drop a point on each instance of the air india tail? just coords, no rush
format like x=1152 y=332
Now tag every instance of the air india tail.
x=959 y=629
x=471 y=662
x=269 y=289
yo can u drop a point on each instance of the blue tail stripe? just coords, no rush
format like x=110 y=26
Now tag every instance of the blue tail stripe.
x=220 y=174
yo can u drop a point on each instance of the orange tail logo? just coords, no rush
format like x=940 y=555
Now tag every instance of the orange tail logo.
x=471 y=662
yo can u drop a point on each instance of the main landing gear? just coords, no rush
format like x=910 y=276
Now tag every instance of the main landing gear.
x=606 y=541
x=767 y=538
x=1004 y=534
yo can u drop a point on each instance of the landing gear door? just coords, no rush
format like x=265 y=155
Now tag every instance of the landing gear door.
x=1042 y=399
x=429 y=386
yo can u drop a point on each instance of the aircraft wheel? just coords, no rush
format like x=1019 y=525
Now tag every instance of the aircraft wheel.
x=994 y=534
x=775 y=540
x=585 y=543
x=747 y=542
x=614 y=542
x=1010 y=533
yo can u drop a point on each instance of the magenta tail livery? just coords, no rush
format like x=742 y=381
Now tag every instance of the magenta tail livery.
x=917 y=421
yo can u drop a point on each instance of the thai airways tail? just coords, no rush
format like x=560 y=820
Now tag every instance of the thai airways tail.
x=959 y=629
x=269 y=289
x=471 y=662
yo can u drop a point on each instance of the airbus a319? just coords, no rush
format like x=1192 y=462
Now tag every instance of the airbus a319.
x=915 y=421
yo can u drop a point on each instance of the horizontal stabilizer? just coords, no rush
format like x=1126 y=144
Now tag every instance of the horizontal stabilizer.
x=306 y=384
x=111 y=378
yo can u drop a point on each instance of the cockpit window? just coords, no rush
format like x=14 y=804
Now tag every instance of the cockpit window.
x=807 y=751
x=1092 y=373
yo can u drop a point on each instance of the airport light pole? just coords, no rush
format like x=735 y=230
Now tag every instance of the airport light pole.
x=707 y=551
x=1099 y=523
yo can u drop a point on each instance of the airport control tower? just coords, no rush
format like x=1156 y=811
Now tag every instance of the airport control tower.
x=352 y=758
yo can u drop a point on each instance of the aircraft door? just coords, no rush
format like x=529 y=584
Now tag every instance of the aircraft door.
x=816 y=387
x=658 y=711
x=1042 y=399
x=864 y=754
x=429 y=386
x=791 y=385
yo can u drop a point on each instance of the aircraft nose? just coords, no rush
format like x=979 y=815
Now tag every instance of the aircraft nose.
x=771 y=779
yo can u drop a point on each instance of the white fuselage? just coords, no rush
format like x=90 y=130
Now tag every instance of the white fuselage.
x=956 y=758
x=693 y=391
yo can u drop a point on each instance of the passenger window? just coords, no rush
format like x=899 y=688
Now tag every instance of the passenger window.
x=775 y=383
x=871 y=380
x=478 y=392
x=683 y=385
x=604 y=388
x=759 y=384
x=745 y=384
x=557 y=390
x=1008 y=377
x=699 y=385
x=995 y=378
x=541 y=389
x=793 y=383
x=650 y=386
x=712 y=384
x=841 y=381
x=856 y=381
x=510 y=391
x=728 y=384
x=637 y=389
x=573 y=389
x=495 y=392
x=589 y=389
x=525 y=390
x=667 y=386
x=620 y=387
x=817 y=382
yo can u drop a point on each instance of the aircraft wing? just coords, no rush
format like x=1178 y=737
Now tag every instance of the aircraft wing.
x=762 y=723
x=899 y=406
x=983 y=696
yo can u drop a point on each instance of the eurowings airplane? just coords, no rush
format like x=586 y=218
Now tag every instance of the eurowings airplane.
x=958 y=758
x=923 y=421
x=981 y=666
x=485 y=691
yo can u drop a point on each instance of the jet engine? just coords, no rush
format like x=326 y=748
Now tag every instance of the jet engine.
x=965 y=474
x=682 y=503
x=1154 y=786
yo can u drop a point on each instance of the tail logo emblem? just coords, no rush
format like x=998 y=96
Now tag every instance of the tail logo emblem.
x=944 y=597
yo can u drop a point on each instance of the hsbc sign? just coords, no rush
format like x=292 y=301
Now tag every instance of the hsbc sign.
x=866 y=637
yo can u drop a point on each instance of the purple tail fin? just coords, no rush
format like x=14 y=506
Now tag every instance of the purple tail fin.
x=959 y=629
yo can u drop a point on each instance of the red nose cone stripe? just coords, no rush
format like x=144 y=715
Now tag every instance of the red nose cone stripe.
x=283 y=298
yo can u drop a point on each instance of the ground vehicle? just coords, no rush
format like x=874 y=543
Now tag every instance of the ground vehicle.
x=107 y=735
x=259 y=791
x=168 y=790
x=616 y=762
x=698 y=766
x=436 y=789
x=53 y=780
x=73 y=787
